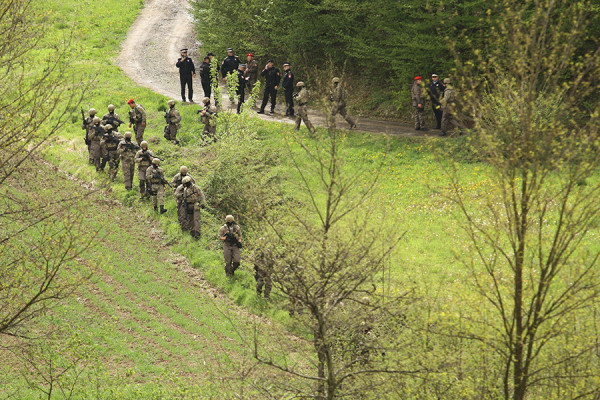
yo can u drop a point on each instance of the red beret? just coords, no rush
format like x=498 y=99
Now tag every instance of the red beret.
x=130 y=101
x=417 y=78
x=249 y=55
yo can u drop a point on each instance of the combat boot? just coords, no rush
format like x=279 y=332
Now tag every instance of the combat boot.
x=142 y=189
x=162 y=209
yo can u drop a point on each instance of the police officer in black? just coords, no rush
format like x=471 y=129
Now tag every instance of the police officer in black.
x=272 y=79
x=205 y=76
x=241 y=85
x=436 y=89
x=186 y=72
x=288 y=87
x=230 y=64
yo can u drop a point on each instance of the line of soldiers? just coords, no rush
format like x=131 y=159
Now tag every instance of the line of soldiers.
x=442 y=97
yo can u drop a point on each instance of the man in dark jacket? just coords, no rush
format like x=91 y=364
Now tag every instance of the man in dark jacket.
x=272 y=79
x=230 y=64
x=241 y=85
x=436 y=89
x=288 y=87
x=205 y=76
x=186 y=72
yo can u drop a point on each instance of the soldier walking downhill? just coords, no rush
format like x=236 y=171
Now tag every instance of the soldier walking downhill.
x=173 y=119
x=302 y=98
x=193 y=200
x=208 y=116
x=137 y=118
x=338 y=99
x=111 y=118
x=155 y=176
x=144 y=159
x=110 y=143
x=96 y=135
x=418 y=102
x=87 y=125
x=176 y=182
x=127 y=150
x=231 y=236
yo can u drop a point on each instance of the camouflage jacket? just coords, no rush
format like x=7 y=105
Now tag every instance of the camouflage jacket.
x=111 y=118
x=155 y=176
x=417 y=95
x=96 y=132
x=252 y=71
x=210 y=116
x=448 y=99
x=176 y=181
x=233 y=228
x=137 y=114
x=302 y=97
x=193 y=195
x=144 y=162
x=111 y=140
x=338 y=94
x=173 y=115
x=127 y=150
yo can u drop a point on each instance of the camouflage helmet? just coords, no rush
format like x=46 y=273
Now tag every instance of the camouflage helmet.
x=111 y=107
x=127 y=135
x=205 y=100
x=171 y=103
x=155 y=161
x=335 y=80
x=186 y=180
x=107 y=127
x=229 y=218
x=92 y=111
x=144 y=144
x=183 y=169
x=300 y=84
x=447 y=80
x=96 y=120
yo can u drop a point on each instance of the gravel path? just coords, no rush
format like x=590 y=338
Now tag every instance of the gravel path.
x=151 y=49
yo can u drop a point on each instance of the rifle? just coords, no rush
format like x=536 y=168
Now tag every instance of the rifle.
x=111 y=119
x=146 y=156
x=85 y=138
x=108 y=138
x=130 y=145
x=167 y=117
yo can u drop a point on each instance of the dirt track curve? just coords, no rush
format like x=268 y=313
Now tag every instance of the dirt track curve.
x=151 y=49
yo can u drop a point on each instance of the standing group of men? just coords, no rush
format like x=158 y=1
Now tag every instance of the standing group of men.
x=442 y=97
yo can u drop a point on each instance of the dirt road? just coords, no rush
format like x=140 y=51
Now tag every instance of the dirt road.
x=151 y=49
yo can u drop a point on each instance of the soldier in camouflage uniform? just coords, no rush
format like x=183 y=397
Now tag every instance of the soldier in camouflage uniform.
x=173 y=119
x=176 y=182
x=209 y=119
x=337 y=97
x=96 y=135
x=155 y=177
x=448 y=104
x=143 y=158
x=251 y=72
x=137 y=118
x=418 y=102
x=302 y=115
x=192 y=200
x=263 y=265
x=110 y=143
x=87 y=124
x=112 y=118
x=127 y=150
x=231 y=236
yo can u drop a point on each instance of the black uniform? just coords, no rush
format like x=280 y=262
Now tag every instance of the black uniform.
x=240 y=89
x=435 y=92
x=272 y=79
x=186 y=70
x=205 y=78
x=288 y=87
x=230 y=64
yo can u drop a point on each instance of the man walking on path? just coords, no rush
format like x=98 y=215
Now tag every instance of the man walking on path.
x=231 y=236
x=338 y=100
x=302 y=97
x=186 y=73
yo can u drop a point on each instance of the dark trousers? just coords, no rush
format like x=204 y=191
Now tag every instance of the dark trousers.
x=207 y=89
x=438 y=115
x=269 y=91
x=289 y=101
x=186 y=80
x=240 y=93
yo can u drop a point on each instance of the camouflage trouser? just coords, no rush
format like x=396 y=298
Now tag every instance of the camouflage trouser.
x=182 y=216
x=96 y=154
x=139 y=132
x=262 y=279
x=193 y=219
x=128 y=167
x=171 y=132
x=419 y=118
x=302 y=115
x=113 y=164
x=340 y=108
x=142 y=178
x=209 y=131
x=158 y=195
x=448 y=122
x=232 y=258
x=90 y=158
